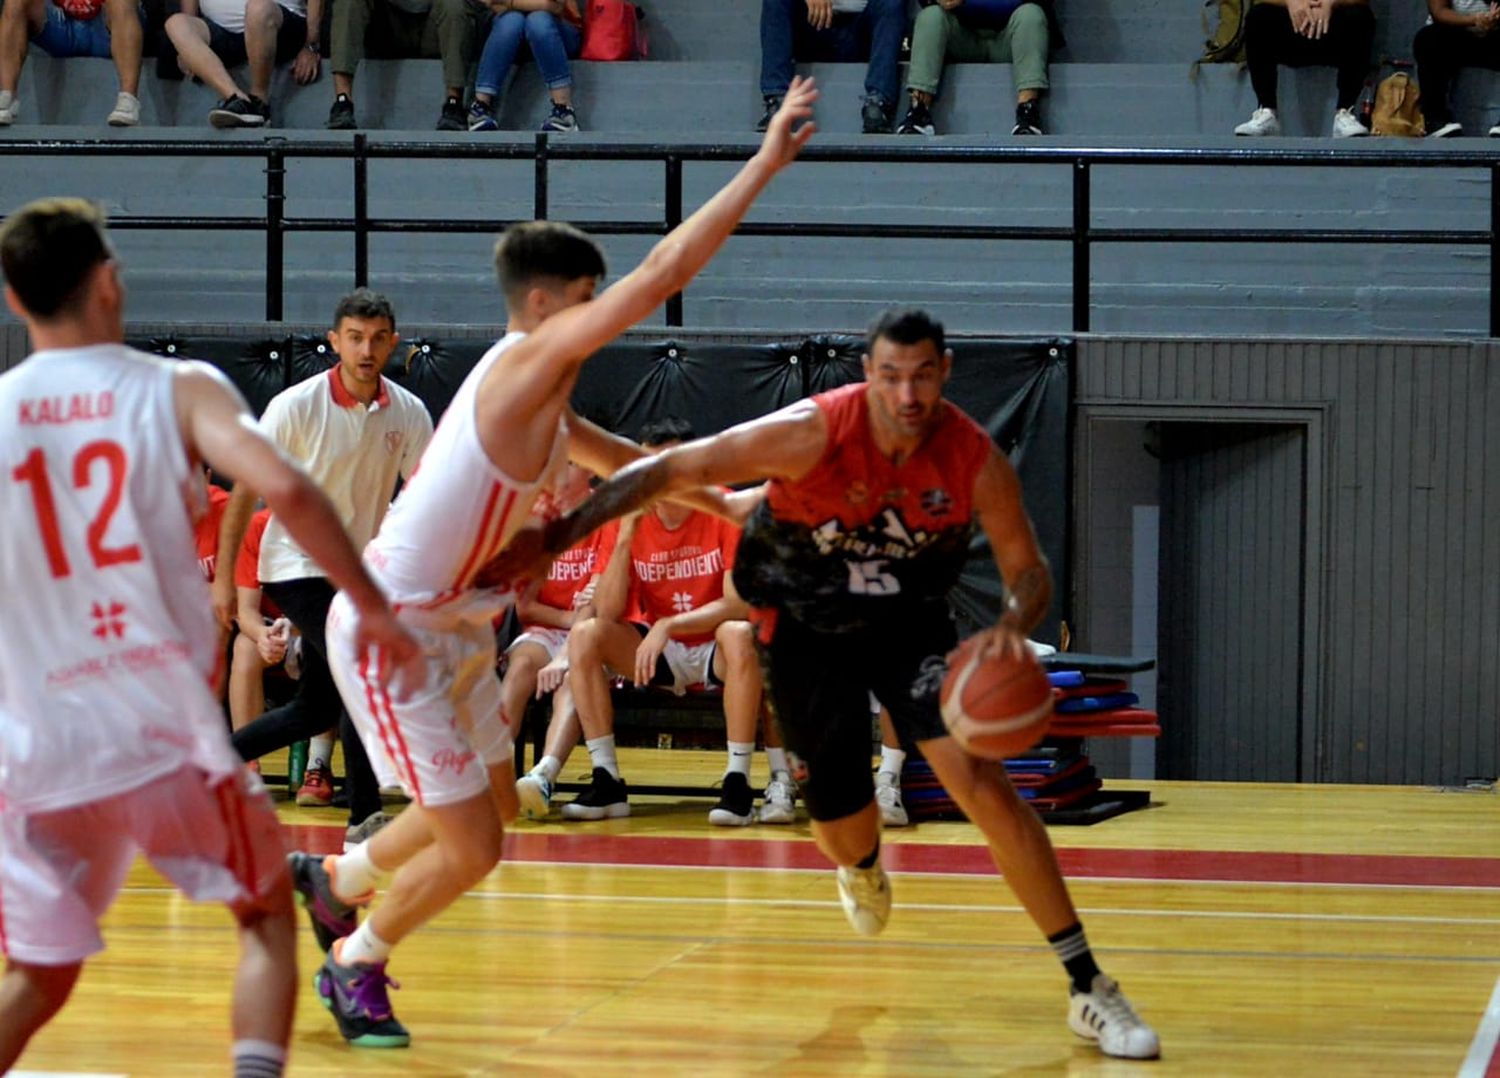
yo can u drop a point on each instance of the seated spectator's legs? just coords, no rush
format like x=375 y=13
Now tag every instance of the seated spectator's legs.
x=273 y=35
x=554 y=42
x=594 y=644
x=780 y=22
x=1270 y=40
x=20 y=21
x=1440 y=52
x=876 y=37
x=350 y=25
x=498 y=56
x=126 y=40
x=449 y=32
x=931 y=34
x=247 y=691
x=192 y=37
x=1024 y=43
x=736 y=666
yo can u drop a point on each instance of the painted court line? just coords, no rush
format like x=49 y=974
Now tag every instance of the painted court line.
x=1222 y=866
x=1481 y=1061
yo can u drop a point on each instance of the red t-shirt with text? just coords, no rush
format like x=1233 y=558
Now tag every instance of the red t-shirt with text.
x=674 y=571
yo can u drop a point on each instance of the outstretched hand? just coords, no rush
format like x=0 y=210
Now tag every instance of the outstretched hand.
x=792 y=125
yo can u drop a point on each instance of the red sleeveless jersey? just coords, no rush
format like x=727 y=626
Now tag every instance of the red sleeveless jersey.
x=859 y=539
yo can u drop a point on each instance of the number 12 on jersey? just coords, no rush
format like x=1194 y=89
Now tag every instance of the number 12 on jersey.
x=870 y=578
x=33 y=470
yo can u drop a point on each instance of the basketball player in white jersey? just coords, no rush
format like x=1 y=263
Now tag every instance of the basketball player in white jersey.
x=504 y=437
x=110 y=738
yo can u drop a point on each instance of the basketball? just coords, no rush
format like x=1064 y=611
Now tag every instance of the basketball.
x=998 y=707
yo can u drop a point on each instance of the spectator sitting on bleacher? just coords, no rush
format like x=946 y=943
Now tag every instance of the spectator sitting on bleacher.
x=211 y=36
x=403 y=29
x=72 y=28
x=536 y=661
x=553 y=31
x=667 y=615
x=1308 y=33
x=1459 y=33
x=1015 y=32
x=265 y=633
x=836 y=30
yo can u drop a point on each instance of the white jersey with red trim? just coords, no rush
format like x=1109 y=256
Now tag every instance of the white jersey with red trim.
x=455 y=514
x=110 y=641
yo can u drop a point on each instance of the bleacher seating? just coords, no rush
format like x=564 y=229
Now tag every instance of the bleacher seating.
x=1123 y=79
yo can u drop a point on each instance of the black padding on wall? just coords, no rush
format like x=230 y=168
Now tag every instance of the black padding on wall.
x=311 y=354
x=434 y=369
x=832 y=361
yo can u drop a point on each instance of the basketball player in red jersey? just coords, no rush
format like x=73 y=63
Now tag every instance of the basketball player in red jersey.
x=503 y=440
x=864 y=529
x=110 y=739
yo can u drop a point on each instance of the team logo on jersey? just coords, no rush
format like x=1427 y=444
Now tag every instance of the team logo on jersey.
x=109 y=620
x=682 y=602
x=937 y=501
x=929 y=680
x=392 y=441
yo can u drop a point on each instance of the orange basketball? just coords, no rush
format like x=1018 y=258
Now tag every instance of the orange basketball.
x=995 y=708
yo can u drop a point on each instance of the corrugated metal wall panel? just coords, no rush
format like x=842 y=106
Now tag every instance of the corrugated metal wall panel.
x=1409 y=667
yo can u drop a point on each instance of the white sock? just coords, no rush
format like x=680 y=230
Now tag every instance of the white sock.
x=258 y=1059
x=354 y=874
x=776 y=760
x=739 y=758
x=891 y=759
x=549 y=767
x=363 y=946
x=602 y=753
x=320 y=751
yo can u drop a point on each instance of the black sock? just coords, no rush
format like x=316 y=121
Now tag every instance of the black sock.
x=869 y=861
x=1072 y=949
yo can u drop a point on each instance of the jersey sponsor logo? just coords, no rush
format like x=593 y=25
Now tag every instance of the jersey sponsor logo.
x=109 y=618
x=75 y=408
x=670 y=565
x=448 y=760
x=134 y=661
x=887 y=536
x=929 y=680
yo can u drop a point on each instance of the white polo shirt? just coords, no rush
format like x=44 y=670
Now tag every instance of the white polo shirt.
x=352 y=451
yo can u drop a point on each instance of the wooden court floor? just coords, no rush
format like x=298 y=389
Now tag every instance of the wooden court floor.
x=1264 y=930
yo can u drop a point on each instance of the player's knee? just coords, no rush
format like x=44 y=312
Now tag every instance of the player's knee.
x=831 y=793
x=736 y=641
x=477 y=853
x=521 y=668
x=586 y=641
x=44 y=989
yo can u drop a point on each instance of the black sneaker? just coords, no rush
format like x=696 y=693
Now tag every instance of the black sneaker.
x=1028 y=119
x=876 y=116
x=605 y=799
x=918 y=121
x=561 y=120
x=332 y=918
x=736 y=806
x=239 y=111
x=341 y=115
x=453 y=117
x=773 y=106
x=360 y=1004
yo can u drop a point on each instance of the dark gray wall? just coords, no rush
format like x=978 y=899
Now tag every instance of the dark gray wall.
x=1403 y=607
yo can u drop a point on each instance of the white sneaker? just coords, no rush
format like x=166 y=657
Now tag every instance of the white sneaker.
x=1105 y=1015
x=1347 y=125
x=10 y=107
x=1451 y=129
x=534 y=791
x=1261 y=122
x=778 y=804
x=127 y=111
x=888 y=797
x=1495 y=131
x=866 y=895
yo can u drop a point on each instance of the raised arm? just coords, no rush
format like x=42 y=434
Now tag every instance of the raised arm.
x=1028 y=582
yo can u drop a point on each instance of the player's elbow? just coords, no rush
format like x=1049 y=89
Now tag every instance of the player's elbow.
x=288 y=492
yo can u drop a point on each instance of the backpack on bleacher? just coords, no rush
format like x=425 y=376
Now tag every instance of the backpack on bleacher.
x=1226 y=45
x=613 y=30
x=1397 y=108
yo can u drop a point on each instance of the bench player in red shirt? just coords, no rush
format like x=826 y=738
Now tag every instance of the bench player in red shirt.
x=873 y=493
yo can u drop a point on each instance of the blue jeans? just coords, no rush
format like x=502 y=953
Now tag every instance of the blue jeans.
x=874 y=35
x=552 y=41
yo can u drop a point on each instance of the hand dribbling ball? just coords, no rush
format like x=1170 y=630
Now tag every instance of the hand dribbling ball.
x=995 y=708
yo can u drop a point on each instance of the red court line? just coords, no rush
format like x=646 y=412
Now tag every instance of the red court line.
x=580 y=847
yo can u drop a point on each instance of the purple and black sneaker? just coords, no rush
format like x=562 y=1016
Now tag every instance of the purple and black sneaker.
x=360 y=1004
x=332 y=918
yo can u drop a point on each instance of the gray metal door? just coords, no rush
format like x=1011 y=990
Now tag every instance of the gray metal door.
x=1231 y=602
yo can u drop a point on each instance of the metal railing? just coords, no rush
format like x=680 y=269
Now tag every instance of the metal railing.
x=1081 y=233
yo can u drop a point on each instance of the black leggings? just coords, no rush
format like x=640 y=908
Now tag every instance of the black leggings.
x=1270 y=40
x=1440 y=51
x=317 y=705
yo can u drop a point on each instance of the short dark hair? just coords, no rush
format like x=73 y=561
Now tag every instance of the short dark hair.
x=544 y=252
x=906 y=325
x=669 y=428
x=48 y=248
x=363 y=303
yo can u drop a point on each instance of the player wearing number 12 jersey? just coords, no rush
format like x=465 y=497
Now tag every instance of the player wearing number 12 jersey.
x=110 y=738
x=866 y=522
